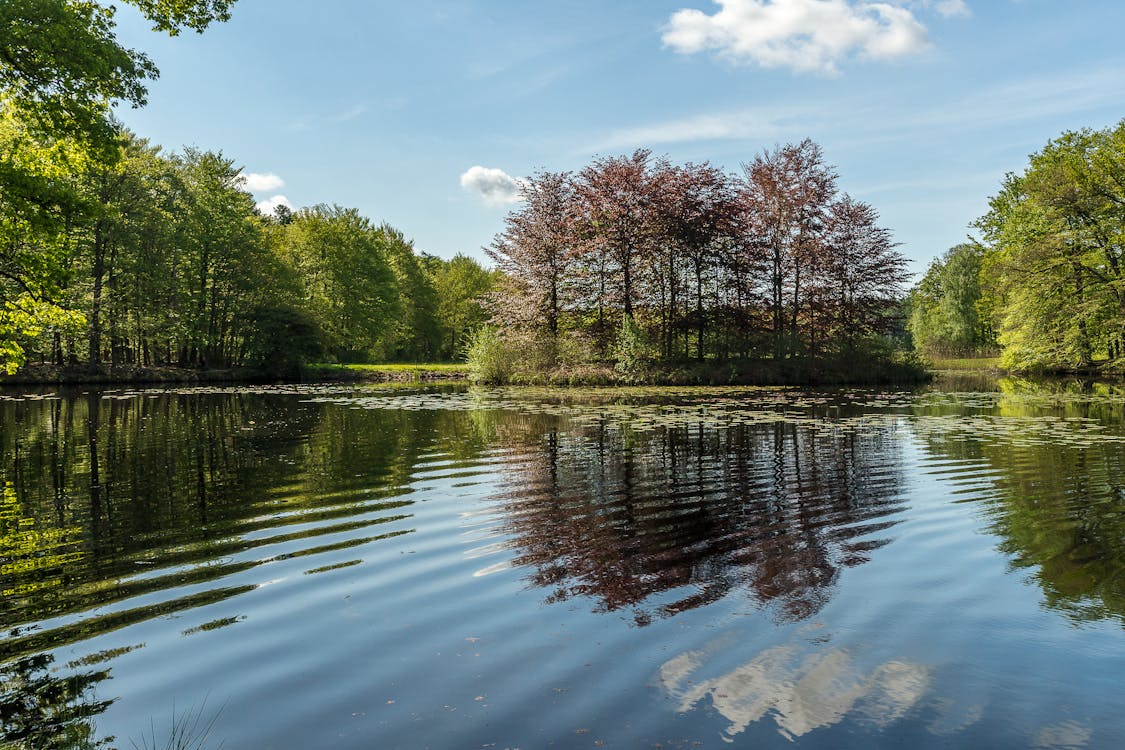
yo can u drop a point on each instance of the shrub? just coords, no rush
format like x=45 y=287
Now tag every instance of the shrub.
x=632 y=349
x=490 y=358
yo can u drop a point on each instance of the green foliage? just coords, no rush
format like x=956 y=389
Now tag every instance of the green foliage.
x=461 y=285
x=490 y=359
x=1056 y=262
x=27 y=317
x=633 y=351
x=155 y=259
x=347 y=279
x=62 y=66
x=62 y=189
x=949 y=315
x=173 y=15
x=415 y=334
x=281 y=339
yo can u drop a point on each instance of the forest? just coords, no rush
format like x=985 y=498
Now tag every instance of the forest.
x=153 y=259
x=115 y=253
x=1045 y=284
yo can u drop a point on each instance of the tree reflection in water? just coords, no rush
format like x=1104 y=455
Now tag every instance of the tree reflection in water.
x=41 y=709
x=667 y=521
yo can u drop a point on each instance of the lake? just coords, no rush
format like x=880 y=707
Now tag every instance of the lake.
x=415 y=567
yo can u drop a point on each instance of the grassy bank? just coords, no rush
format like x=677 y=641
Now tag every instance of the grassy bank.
x=975 y=364
x=386 y=372
x=125 y=375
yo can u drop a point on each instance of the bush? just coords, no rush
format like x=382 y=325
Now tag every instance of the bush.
x=490 y=358
x=632 y=349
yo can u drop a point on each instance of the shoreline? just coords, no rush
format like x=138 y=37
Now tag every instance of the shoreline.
x=713 y=374
x=44 y=375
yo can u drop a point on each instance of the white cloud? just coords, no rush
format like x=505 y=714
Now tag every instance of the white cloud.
x=806 y=35
x=262 y=183
x=495 y=186
x=268 y=206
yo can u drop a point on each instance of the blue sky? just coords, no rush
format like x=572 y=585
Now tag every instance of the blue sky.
x=922 y=105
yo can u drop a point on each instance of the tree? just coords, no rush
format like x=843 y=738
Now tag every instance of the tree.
x=61 y=69
x=859 y=275
x=698 y=214
x=787 y=192
x=347 y=278
x=1056 y=238
x=416 y=335
x=40 y=203
x=462 y=285
x=62 y=66
x=693 y=262
x=949 y=313
x=616 y=203
x=537 y=248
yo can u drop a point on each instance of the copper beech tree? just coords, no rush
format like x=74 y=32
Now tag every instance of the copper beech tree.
x=775 y=262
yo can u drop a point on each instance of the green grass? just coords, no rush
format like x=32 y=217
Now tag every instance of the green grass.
x=400 y=367
x=391 y=371
x=966 y=363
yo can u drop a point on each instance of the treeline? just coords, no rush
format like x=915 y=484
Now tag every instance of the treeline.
x=154 y=259
x=115 y=253
x=949 y=314
x=1047 y=282
x=637 y=260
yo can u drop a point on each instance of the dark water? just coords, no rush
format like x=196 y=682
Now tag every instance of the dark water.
x=397 y=568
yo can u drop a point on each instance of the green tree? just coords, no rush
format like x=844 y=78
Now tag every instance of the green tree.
x=416 y=335
x=61 y=69
x=62 y=65
x=462 y=284
x=949 y=313
x=39 y=204
x=348 y=282
x=1056 y=236
x=227 y=257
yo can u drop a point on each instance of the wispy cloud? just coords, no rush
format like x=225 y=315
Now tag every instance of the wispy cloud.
x=331 y=118
x=1041 y=99
x=949 y=8
x=261 y=183
x=495 y=186
x=714 y=126
x=805 y=35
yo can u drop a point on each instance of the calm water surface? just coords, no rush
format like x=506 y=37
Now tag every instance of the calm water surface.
x=337 y=567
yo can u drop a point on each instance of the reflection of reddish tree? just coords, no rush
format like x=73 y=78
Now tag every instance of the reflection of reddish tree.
x=771 y=511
